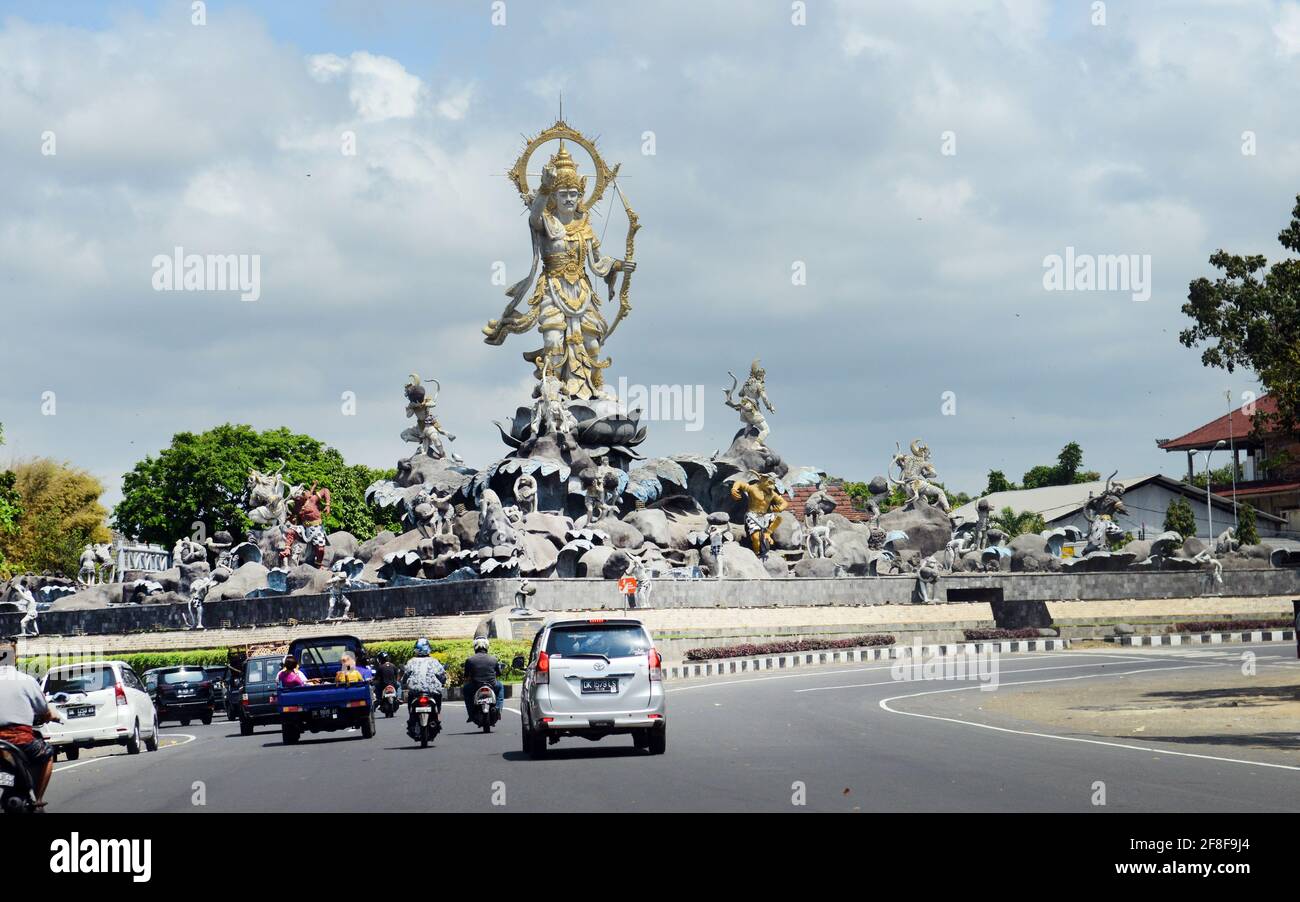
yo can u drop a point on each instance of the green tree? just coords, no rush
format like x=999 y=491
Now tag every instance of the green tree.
x=1247 y=534
x=202 y=478
x=1250 y=317
x=1064 y=472
x=1016 y=524
x=11 y=509
x=60 y=514
x=1179 y=518
x=998 y=482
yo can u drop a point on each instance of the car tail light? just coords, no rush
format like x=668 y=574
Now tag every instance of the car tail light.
x=656 y=664
x=543 y=674
x=120 y=695
x=595 y=619
x=244 y=701
x=358 y=703
x=548 y=719
x=292 y=709
x=205 y=685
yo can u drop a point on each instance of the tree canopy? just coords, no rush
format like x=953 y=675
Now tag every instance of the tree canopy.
x=1017 y=524
x=1064 y=472
x=1179 y=517
x=201 y=478
x=1249 y=317
x=58 y=513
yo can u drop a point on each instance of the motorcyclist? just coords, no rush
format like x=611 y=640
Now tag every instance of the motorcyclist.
x=23 y=707
x=482 y=669
x=424 y=673
x=386 y=673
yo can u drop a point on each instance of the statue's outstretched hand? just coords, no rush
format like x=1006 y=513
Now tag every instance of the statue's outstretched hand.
x=628 y=266
x=548 y=178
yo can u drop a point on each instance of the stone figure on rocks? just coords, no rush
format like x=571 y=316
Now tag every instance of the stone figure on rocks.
x=434 y=514
x=340 y=604
x=817 y=540
x=561 y=298
x=499 y=542
x=765 y=504
x=525 y=489
x=525 y=591
x=927 y=578
x=819 y=504
x=267 y=498
x=96 y=564
x=194 y=608
x=917 y=476
x=307 y=524
x=1100 y=511
x=550 y=414
x=600 y=485
x=752 y=398
x=427 y=431
x=27 y=604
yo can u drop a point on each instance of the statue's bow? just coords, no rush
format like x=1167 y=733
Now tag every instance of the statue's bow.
x=633 y=225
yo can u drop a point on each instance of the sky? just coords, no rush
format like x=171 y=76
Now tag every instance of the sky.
x=865 y=195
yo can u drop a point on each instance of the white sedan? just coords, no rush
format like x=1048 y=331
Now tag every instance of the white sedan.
x=102 y=703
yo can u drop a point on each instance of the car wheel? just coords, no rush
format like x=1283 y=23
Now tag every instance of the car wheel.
x=185 y=721
x=658 y=741
x=289 y=733
x=72 y=753
x=151 y=744
x=368 y=727
x=537 y=744
x=207 y=719
x=133 y=743
x=640 y=739
x=245 y=727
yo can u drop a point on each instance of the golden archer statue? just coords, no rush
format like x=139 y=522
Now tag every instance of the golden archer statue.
x=562 y=302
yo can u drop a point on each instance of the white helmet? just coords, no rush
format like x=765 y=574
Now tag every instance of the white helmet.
x=480 y=643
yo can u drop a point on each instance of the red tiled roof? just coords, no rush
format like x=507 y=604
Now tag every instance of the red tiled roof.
x=838 y=495
x=1272 y=488
x=1219 y=430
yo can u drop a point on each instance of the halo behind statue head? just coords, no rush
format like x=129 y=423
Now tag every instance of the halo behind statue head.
x=561 y=131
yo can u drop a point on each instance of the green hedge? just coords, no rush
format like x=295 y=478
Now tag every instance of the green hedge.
x=451 y=652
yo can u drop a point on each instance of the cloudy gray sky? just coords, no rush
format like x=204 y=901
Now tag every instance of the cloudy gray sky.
x=775 y=143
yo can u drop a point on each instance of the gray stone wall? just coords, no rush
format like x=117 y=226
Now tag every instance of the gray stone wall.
x=481 y=596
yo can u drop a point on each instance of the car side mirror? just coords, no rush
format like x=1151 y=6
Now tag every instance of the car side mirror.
x=518 y=663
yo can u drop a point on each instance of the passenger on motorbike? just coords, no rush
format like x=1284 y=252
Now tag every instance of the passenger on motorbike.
x=482 y=669
x=424 y=674
x=387 y=673
x=23 y=707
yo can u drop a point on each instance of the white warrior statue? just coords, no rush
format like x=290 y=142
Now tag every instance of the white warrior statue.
x=561 y=298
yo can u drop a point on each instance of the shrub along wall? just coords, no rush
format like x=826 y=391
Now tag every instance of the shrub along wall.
x=451 y=652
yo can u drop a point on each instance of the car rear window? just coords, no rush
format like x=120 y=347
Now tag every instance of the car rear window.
x=80 y=679
x=611 y=640
x=183 y=676
x=261 y=671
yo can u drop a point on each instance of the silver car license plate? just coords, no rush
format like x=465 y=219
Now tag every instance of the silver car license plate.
x=607 y=686
x=423 y=710
x=6 y=779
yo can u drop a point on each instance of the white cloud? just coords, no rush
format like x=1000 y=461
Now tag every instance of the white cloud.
x=379 y=87
x=1287 y=29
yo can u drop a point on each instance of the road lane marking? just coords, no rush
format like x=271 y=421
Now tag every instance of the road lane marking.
x=824 y=670
x=1147 y=749
x=976 y=676
x=189 y=737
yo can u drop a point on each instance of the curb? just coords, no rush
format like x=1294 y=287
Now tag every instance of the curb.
x=727 y=666
x=1206 y=638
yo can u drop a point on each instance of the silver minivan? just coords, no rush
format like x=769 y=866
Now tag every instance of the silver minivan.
x=592 y=678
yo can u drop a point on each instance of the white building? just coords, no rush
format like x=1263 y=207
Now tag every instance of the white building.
x=1146 y=498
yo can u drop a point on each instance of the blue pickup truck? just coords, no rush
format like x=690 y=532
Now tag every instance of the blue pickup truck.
x=324 y=705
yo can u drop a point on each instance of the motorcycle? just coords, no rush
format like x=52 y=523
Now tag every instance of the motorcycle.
x=17 y=785
x=422 y=705
x=483 y=710
x=389 y=700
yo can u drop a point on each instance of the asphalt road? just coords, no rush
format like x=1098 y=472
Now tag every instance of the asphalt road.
x=847 y=738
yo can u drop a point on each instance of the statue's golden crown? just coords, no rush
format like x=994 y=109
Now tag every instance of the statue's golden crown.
x=566 y=171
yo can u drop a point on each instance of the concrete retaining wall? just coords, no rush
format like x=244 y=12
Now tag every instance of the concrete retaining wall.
x=481 y=596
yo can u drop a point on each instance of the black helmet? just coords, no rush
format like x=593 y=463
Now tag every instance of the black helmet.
x=383 y=657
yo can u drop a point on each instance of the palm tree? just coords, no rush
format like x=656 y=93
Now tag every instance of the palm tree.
x=1016 y=524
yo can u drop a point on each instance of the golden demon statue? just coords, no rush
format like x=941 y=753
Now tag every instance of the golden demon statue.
x=764 y=514
x=562 y=301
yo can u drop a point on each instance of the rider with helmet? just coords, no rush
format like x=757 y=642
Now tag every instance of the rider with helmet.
x=424 y=673
x=482 y=669
x=23 y=707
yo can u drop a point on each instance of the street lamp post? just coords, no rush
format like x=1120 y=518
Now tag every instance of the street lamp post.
x=1209 y=509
